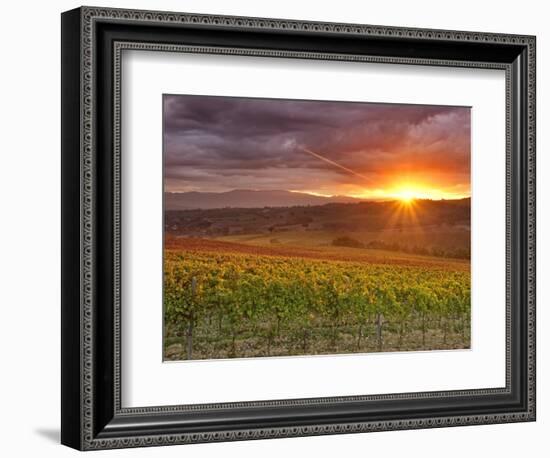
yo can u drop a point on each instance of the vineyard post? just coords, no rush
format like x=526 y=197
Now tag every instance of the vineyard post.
x=379 y=323
x=191 y=319
x=359 y=335
x=269 y=339
x=423 y=330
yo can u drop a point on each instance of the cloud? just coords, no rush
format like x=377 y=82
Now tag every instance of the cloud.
x=211 y=142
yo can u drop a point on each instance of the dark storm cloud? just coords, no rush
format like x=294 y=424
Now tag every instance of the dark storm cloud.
x=218 y=143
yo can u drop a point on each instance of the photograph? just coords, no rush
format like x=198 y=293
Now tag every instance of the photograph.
x=314 y=227
x=283 y=223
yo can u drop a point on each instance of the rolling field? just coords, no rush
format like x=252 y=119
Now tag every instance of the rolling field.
x=419 y=236
x=245 y=296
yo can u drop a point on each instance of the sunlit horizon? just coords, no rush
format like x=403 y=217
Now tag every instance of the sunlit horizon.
x=366 y=151
x=405 y=194
x=397 y=194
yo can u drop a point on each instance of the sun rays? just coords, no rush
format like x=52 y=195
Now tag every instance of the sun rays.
x=405 y=212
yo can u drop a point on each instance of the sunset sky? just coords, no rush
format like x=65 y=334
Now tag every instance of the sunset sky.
x=367 y=150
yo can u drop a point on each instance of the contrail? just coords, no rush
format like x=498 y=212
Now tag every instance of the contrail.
x=328 y=161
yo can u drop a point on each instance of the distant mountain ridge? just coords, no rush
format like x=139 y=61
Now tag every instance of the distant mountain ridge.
x=247 y=198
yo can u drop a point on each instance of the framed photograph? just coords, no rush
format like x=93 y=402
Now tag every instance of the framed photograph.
x=276 y=228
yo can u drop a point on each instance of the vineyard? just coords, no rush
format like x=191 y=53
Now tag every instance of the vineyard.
x=231 y=304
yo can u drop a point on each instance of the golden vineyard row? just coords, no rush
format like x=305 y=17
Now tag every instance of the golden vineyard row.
x=246 y=290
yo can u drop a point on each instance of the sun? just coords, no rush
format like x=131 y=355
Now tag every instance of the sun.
x=406 y=196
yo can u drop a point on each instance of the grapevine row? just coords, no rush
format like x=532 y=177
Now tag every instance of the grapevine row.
x=244 y=291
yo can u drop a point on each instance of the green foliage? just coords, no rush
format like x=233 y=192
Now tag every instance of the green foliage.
x=347 y=241
x=247 y=292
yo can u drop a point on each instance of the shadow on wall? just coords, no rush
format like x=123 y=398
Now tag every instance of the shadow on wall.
x=50 y=434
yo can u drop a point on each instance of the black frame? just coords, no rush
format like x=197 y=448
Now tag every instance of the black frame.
x=92 y=42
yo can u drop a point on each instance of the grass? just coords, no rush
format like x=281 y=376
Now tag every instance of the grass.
x=213 y=343
x=420 y=236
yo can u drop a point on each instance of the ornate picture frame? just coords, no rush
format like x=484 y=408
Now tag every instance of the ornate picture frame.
x=93 y=416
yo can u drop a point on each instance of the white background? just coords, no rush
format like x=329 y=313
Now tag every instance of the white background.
x=30 y=244
x=147 y=75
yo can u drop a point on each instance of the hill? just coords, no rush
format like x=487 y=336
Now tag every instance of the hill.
x=247 y=198
x=439 y=228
